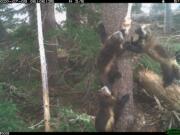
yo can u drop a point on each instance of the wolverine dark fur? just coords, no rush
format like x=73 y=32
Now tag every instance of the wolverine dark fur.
x=106 y=62
x=102 y=32
x=109 y=108
x=146 y=43
x=137 y=45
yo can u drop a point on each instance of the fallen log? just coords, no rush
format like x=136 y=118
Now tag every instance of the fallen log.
x=153 y=84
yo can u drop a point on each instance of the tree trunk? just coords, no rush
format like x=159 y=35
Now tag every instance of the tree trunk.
x=31 y=8
x=43 y=72
x=168 y=25
x=4 y=38
x=92 y=15
x=122 y=87
x=49 y=26
x=73 y=13
x=113 y=16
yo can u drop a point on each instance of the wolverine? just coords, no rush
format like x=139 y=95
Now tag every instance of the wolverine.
x=109 y=108
x=147 y=43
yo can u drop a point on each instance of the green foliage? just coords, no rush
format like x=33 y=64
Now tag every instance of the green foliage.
x=17 y=60
x=150 y=64
x=60 y=8
x=172 y=45
x=10 y=121
x=90 y=82
x=7 y=15
x=71 y=121
x=9 y=117
x=3 y=32
x=175 y=46
x=157 y=8
x=87 y=40
x=84 y=45
x=25 y=38
x=2 y=55
x=136 y=8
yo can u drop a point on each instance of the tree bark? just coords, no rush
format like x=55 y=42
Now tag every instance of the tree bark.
x=31 y=8
x=43 y=71
x=124 y=86
x=73 y=14
x=4 y=38
x=49 y=25
x=113 y=17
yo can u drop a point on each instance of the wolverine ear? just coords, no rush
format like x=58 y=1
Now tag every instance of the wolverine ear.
x=143 y=30
x=102 y=32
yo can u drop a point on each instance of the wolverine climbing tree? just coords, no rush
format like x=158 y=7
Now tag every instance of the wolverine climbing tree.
x=116 y=17
x=164 y=89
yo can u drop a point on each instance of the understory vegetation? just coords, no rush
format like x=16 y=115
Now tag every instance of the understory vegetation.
x=72 y=99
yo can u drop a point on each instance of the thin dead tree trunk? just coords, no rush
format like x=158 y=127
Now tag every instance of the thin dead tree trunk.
x=43 y=70
x=50 y=39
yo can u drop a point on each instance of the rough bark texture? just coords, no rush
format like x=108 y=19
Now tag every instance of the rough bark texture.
x=73 y=14
x=92 y=15
x=153 y=84
x=31 y=8
x=4 y=38
x=125 y=86
x=113 y=16
x=49 y=24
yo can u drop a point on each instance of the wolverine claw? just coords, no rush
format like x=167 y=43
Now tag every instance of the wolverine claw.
x=106 y=90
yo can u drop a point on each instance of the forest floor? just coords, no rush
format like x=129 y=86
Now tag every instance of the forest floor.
x=147 y=114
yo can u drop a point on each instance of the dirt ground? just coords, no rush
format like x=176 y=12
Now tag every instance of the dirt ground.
x=147 y=114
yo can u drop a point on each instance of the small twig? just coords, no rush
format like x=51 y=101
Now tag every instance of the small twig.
x=176 y=115
x=51 y=44
x=34 y=60
x=146 y=93
x=35 y=69
x=33 y=126
x=88 y=89
x=158 y=103
x=171 y=37
x=170 y=124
